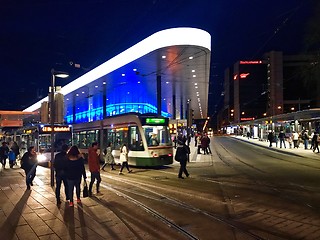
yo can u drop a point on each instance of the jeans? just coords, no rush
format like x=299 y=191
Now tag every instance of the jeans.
x=94 y=176
x=282 y=141
x=59 y=179
x=30 y=175
x=73 y=183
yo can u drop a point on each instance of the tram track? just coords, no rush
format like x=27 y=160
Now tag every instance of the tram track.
x=270 y=185
x=153 y=194
x=273 y=189
x=280 y=154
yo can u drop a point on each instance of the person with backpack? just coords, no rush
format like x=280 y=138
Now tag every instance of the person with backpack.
x=12 y=158
x=182 y=154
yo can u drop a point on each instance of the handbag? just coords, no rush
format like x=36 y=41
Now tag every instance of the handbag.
x=85 y=191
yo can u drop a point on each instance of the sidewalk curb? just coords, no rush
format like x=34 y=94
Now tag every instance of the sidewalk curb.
x=273 y=149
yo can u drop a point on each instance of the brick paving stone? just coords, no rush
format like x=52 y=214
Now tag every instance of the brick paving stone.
x=50 y=237
x=44 y=214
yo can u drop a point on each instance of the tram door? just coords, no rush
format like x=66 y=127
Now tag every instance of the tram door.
x=109 y=135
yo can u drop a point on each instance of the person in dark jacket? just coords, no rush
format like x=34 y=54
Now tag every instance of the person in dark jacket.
x=4 y=151
x=270 y=138
x=183 y=151
x=74 y=171
x=282 y=139
x=315 y=140
x=29 y=165
x=59 y=164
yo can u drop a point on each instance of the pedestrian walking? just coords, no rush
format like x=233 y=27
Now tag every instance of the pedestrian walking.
x=29 y=165
x=290 y=141
x=205 y=142
x=74 y=171
x=270 y=138
x=15 y=148
x=124 y=158
x=295 y=138
x=305 y=138
x=4 y=151
x=60 y=165
x=12 y=158
x=182 y=153
x=281 y=139
x=94 y=167
x=315 y=139
x=248 y=135
x=108 y=157
x=199 y=138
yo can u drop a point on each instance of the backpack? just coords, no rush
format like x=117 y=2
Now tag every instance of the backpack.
x=12 y=156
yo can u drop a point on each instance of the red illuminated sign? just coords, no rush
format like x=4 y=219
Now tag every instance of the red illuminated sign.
x=247 y=119
x=251 y=62
x=244 y=75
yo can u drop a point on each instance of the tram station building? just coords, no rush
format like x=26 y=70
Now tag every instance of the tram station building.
x=166 y=74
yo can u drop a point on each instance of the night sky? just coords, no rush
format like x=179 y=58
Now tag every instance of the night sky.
x=39 y=35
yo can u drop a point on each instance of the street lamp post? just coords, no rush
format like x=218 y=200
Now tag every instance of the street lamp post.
x=54 y=74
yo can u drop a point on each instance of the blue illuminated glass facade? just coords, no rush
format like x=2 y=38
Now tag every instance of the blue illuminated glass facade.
x=124 y=95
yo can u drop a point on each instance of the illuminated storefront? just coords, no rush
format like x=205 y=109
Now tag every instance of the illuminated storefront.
x=158 y=75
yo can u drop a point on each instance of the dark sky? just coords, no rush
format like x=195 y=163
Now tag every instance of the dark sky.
x=39 y=35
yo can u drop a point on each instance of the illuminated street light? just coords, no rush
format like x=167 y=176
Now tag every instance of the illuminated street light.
x=54 y=74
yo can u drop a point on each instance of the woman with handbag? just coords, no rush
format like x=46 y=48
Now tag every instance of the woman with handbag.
x=124 y=158
x=74 y=171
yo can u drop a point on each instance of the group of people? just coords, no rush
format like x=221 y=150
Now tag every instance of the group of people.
x=294 y=139
x=9 y=152
x=203 y=143
x=69 y=167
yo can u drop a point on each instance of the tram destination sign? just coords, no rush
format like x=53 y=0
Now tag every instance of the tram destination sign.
x=48 y=129
x=155 y=121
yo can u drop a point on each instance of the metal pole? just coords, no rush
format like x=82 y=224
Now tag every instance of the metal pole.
x=52 y=115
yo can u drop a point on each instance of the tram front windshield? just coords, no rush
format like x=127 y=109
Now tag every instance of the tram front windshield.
x=157 y=135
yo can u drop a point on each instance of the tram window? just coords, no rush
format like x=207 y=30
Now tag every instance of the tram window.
x=157 y=135
x=121 y=137
x=82 y=140
x=109 y=135
x=92 y=136
x=135 y=140
x=62 y=138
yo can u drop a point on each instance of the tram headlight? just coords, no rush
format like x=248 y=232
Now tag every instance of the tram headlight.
x=41 y=158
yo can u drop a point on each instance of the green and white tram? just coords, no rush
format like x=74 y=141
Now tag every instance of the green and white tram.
x=147 y=137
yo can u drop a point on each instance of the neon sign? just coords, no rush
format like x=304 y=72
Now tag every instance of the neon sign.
x=244 y=75
x=155 y=120
x=247 y=119
x=251 y=62
x=46 y=129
